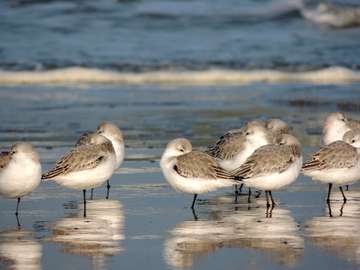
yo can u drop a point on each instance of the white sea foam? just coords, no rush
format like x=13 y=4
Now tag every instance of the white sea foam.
x=338 y=16
x=79 y=75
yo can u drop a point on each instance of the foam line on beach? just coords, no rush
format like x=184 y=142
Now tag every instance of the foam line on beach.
x=79 y=75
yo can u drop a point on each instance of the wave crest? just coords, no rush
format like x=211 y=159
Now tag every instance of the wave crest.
x=79 y=75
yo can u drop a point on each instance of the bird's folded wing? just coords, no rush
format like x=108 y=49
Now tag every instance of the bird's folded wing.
x=228 y=145
x=336 y=155
x=81 y=158
x=266 y=159
x=198 y=164
x=5 y=158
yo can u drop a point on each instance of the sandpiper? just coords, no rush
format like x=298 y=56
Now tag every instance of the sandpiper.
x=233 y=148
x=337 y=163
x=85 y=166
x=20 y=172
x=191 y=171
x=273 y=166
x=277 y=127
x=114 y=134
x=336 y=125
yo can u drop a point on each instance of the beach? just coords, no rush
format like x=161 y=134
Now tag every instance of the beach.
x=163 y=70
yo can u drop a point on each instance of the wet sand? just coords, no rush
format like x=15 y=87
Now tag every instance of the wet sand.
x=145 y=224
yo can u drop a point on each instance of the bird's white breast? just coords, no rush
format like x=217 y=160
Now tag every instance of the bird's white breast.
x=20 y=177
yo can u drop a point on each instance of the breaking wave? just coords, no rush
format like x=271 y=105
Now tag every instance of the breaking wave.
x=337 y=16
x=79 y=75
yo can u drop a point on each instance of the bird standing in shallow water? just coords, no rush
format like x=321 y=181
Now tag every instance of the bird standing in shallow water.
x=335 y=126
x=20 y=172
x=233 y=148
x=114 y=134
x=337 y=163
x=85 y=166
x=272 y=167
x=193 y=172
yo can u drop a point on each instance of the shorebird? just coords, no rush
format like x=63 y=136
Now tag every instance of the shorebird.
x=272 y=167
x=277 y=127
x=85 y=166
x=233 y=148
x=337 y=163
x=336 y=125
x=114 y=134
x=20 y=172
x=191 y=171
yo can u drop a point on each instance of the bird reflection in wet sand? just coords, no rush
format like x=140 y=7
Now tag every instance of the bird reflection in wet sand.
x=338 y=231
x=98 y=236
x=242 y=228
x=19 y=250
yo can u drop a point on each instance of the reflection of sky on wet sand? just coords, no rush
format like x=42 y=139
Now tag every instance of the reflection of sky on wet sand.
x=19 y=250
x=338 y=234
x=242 y=227
x=98 y=235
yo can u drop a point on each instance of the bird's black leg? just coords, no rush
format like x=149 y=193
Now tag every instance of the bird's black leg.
x=17 y=206
x=272 y=207
x=194 y=214
x=193 y=202
x=17 y=212
x=84 y=194
x=269 y=210
x=108 y=190
x=249 y=196
x=267 y=198
x=272 y=199
x=329 y=191
x=241 y=187
x=342 y=193
x=347 y=187
x=329 y=208
x=236 y=190
x=342 y=209
x=92 y=194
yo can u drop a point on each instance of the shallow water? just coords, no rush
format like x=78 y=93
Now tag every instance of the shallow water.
x=145 y=223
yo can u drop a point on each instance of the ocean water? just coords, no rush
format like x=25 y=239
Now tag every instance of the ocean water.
x=161 y=70
x=180 y=35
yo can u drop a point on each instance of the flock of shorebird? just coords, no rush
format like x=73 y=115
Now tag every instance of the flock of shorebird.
x=260 y=155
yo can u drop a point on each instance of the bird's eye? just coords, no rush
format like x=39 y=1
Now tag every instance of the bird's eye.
x=181 y=150
x=343 y=119
x=12 y=152
x=247 y=133
x=352 y=141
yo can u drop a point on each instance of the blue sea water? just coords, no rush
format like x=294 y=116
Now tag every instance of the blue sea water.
x=147 y=35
